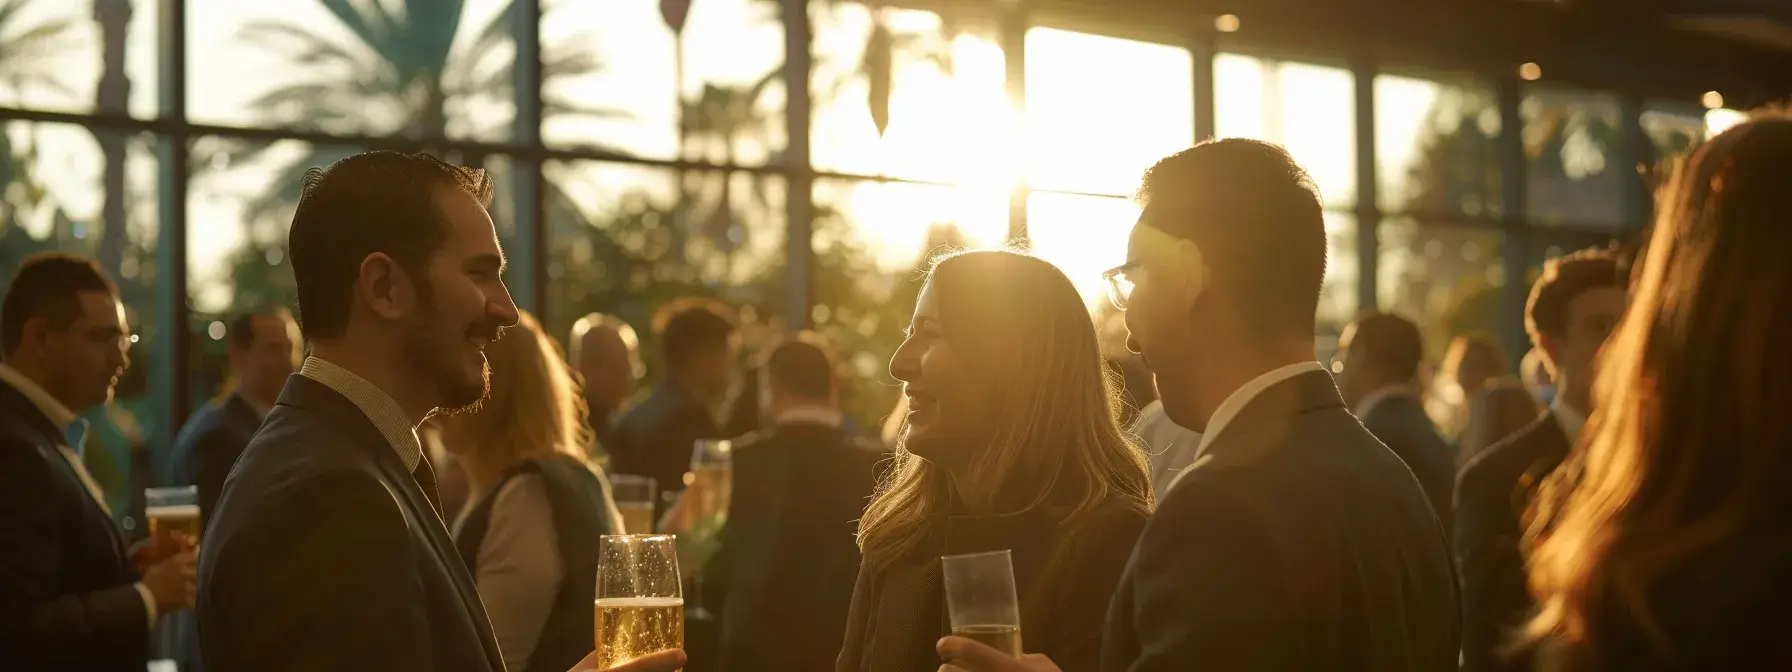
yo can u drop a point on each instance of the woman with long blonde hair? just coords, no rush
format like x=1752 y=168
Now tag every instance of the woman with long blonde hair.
x=1672 y=547
x=1011 y=443
x=529 y=533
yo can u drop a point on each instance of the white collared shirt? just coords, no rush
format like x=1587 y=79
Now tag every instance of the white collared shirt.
x=811 y=415
x=378 y=406
x=1373 y=399
x=64 y=419
x=1571 y=420
x=1235 y=403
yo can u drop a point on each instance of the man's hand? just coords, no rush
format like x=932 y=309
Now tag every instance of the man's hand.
x=964 y=655
x=669 y=660
x=171 y=581
x=148 y=552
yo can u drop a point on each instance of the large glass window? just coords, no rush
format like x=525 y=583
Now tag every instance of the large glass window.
x=97 y=56
x=1100 y=110
x=1436 y=148
x=1308 y=109
x=1573 y=150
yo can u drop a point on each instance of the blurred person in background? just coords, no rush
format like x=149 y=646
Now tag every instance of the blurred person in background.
x=607 y=356
x=1537 y=379
x=1169 y=447
x=783 y=573
x=699 y=347
x=1470 y=363
x=263 y=351
x=1572 y=308
x=1502 y=410
x=1012 y=442
x=529 y=533
x=72 y=596
x=1380 y=354
x=1672 y=545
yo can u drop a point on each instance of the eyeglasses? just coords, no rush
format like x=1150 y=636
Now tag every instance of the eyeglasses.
x=1119 y=285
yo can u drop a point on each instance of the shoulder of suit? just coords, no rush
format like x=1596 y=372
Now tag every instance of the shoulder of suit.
x=1508 y=458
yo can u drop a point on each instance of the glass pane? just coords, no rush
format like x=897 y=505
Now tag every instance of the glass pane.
x=1572 y=146
x=1308 y=109
x=1337 y=297
x=97 y=56
x=625 y=239
x=1083 y=235
x=1436 y=147
x=624 y=96
x=365 y=67
x=1442 y=276
x=54 y=196
x=871 y=242
x=1673 y=131
x=935 y=84
x=1100 y=110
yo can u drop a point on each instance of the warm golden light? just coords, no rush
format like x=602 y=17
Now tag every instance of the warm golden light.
x=1712 y=100
x=1530 y=72
x=1226 y=23
x=1721 y=119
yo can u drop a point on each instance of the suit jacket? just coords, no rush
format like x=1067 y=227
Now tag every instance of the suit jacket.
x=1492 y=494
x=324 y=554
x=1065 y=567
x=209 y=444
x=1401 y=424
x=1295 y=542
x=783 y=573
x=655 y=438
x=67 y=599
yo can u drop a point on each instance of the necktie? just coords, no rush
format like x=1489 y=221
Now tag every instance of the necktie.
x=426 y=479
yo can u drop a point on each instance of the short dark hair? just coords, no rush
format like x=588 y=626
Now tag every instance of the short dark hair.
x=242 y=328
x=374 y=202
x=1257 y=218
x=801 y=364
x=1565 y=279
x=1389 y=343
x=688 y=326
x=48 y=285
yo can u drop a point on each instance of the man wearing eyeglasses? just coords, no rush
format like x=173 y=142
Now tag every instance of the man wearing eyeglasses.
x=1295 y=541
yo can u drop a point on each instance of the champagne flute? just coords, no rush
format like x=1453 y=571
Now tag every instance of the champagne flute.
x=981 y=601
x=640 y=598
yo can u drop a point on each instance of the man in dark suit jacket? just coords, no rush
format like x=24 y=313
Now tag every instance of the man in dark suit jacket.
x=783 y=575
x=1573 y=307
x=698 y=347
x=326 y=550
x=71 y=597
x=1380 y=354
x=263 y=352
x=1295 y=541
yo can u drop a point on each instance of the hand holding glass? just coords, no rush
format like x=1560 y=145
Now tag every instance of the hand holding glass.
x=172 y=510
x=981 y=601
x=640 y=598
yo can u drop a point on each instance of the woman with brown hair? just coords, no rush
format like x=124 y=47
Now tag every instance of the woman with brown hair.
x=1011 y=442
x=537 y=507
x=1672 y=547
x=1501 y=410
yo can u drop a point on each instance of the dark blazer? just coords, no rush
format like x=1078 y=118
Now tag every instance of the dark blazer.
x=783 y=573
x=655 y=438
x=324 y=554
x=1492 y=494
x=582 y=511
x=1065 y=568
x=1296 y=542
x=1401 y=424
x=66 y=596
x=209 y=444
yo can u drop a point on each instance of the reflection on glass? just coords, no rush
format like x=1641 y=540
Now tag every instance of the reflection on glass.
x=726 y=56
x=625 y=239
x=870 y=242
x=911 y=94
x=54 y=197
x=55 y=56
x=1308 y=109
x=1444 y=277
x=1572 y=145
x=369 y=68
x=1100 y=110
x=1082 y=236
x=1436 y=147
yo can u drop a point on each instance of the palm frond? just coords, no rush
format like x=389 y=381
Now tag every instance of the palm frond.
x=313 y=48
x=494 y=34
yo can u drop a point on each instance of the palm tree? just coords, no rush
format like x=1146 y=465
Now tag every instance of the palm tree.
x=28 y=53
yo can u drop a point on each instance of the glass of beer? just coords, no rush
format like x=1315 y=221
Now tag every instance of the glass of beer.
x=708 y=483
x=634 y=497
x=980 y=599
x=171 y=510
x=640 y=597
